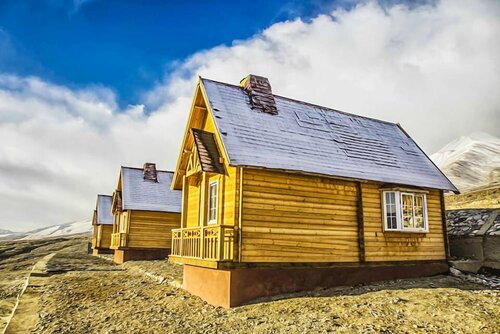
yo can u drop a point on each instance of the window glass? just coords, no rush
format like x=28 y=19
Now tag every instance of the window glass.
x=212 y=203
x=419 y=211
x=407 y=210
x=390 y=211
x=123 y=226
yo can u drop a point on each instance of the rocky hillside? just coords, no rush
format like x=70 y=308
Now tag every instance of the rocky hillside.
x=471 y=162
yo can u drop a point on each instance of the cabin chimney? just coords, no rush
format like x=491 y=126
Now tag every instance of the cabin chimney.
x=260 y=93
x=149 y=172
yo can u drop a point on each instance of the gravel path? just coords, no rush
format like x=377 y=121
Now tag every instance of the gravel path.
x=98 y=300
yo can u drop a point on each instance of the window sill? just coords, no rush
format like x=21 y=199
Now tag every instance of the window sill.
x=407 y=231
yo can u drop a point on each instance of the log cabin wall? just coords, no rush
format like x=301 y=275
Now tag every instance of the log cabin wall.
x=297 y=218
x=193 y=205
x=400 y=246
x=150 y=229
x=290 y=217
x=104 y=240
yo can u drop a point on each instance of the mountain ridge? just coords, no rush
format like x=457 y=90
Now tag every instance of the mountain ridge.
x=57 y=230
x=471 y=162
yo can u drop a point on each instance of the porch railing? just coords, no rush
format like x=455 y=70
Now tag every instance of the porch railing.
x=207 y=242
x=119 y=240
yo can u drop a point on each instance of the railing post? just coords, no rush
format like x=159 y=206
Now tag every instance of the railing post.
x=181 y=240
x=220 y=239
x=202 y=242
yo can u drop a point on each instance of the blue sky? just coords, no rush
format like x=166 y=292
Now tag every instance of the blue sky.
x=87 y=86
x=128 y=46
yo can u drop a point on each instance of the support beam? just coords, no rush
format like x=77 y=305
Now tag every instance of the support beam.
x=445 y=228
x=184 y=208
x=361 y=224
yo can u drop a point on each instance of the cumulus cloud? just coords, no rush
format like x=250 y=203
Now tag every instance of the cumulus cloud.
x=433 y=68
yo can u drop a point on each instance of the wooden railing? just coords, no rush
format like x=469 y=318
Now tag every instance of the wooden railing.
x=119 y=240
x=214 y=243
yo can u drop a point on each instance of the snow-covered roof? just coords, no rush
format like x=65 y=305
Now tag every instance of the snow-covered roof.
x=308 y=138
x=104 y=215
x=147 y=195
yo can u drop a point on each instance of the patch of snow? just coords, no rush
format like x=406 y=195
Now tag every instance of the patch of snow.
x=471 y=161
x=78 y=227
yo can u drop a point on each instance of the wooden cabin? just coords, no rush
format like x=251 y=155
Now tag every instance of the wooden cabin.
x=279 y=195
x=145 y=210
x=102 y=226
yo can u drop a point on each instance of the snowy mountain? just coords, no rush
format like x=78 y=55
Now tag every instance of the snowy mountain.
x=471 y=162
x=61 y=230
x=78 y=227
x=7 y=234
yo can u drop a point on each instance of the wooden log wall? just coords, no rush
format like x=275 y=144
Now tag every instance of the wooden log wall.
x=297 y=218
x=398 y=246
x=151 y=229
x=105 y=236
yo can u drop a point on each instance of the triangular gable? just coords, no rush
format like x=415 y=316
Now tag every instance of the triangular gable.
x=199 y=112
x=116 y=203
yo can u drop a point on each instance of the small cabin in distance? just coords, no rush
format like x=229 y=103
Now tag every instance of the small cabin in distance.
x=280 y=195
x=102 y=226
x=145 y=211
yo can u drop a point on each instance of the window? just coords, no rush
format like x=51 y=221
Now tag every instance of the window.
x=123 y=226
x=213 y=195
x=405 y=211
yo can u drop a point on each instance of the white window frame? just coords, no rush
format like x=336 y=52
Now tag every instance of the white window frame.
x=399 y=212
x=216 y=209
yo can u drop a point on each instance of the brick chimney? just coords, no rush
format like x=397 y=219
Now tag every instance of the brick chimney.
x=149 y=172
x=260 y=93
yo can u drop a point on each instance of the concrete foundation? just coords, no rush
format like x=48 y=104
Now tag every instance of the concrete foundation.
x=482 y=249
x=98 y=251
x=124 y=255
x=233 y=287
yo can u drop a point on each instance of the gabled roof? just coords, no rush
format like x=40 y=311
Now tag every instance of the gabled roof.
x=208 y=153
x=141 y=194
x=104 y=215
x=307 y=138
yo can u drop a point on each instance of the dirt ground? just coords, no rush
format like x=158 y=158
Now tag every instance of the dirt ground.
x=86 y=294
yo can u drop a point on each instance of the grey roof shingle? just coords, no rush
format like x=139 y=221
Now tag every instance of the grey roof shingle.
x=104 y=215
x=308 y=138
x=140 y=194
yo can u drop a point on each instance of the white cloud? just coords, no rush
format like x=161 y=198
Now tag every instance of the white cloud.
x=433 y=68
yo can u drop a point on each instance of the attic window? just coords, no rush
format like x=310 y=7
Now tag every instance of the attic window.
x=405 y=211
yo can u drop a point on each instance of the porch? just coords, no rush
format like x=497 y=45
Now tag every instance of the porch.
x=204 y=245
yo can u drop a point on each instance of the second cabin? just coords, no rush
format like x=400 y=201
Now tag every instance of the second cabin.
x=280 y=195
x=102 y=226
x=145 y=211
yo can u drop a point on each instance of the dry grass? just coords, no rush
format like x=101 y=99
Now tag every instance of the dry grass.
x=476 y=199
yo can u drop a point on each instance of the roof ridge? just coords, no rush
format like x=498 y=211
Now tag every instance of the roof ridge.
x=310 y=104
